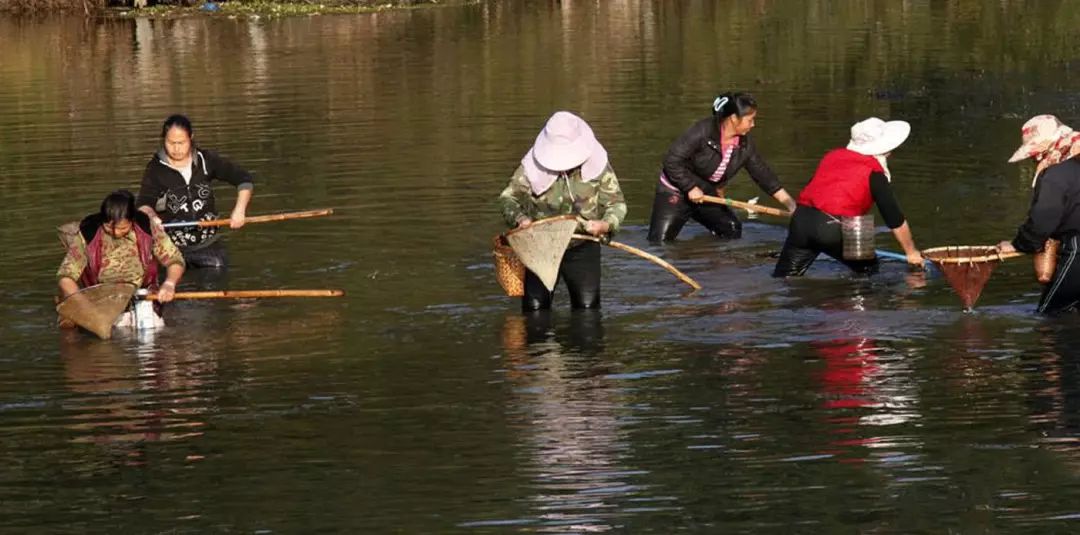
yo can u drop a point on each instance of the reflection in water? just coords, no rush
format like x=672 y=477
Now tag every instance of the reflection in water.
x=124 y=396
x=1054 y=405
x=572 y=435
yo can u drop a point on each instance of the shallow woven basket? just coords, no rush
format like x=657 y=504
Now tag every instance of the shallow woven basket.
x=509 y=270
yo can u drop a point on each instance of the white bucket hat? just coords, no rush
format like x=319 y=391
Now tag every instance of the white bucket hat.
x=565 y=142
x=874 y=137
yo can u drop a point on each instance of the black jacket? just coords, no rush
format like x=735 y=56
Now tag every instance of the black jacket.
x=693 y=158
x=1055 y=208
x=163 y=189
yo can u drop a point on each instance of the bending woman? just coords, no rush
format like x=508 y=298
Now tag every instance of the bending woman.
x=119 y=244
x=176 y=186
x=701 y=162
x=566 y=172
x=1055 y=207
x=847 y=183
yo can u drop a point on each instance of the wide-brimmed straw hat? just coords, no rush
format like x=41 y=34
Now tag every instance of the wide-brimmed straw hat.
x=874 y=137
x=1038 y=135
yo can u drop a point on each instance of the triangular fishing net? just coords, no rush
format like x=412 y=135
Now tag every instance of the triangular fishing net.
x=96 y=308
x=966 y=267
x=541 y=246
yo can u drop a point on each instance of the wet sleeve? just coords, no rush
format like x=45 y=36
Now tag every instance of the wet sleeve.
x=165 y=251
x=150 y=190
x=219 y=168
x=886 y=202
x=760 y=171
x=612 y=202
x=514 y=197
x=1046 y=212
x=74 y=261
x=677 y=166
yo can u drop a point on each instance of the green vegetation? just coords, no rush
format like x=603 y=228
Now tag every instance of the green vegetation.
x=272 y=8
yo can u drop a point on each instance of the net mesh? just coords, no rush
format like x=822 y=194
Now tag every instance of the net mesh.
x=541 y=246
x=966 y=267
x=96 y=308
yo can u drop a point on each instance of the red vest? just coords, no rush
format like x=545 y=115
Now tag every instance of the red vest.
x=145 y=244
x=841 y=185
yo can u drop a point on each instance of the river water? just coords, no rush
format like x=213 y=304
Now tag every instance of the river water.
x=424 y=402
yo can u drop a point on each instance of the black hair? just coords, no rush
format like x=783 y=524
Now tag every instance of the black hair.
x=738 y=104
x=118 y=206
x=177 y=121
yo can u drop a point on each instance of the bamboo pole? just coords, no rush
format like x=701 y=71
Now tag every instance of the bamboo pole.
x=746 y=206
x=652 y=258
x=250 y=294
x=256 y=219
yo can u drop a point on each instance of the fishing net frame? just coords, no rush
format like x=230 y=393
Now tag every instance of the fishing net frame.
x=540 y=246
x=967 y=268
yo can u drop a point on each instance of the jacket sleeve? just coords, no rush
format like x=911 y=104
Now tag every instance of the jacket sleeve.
x=759 y=170
x=1047 y=210
x=677 y=162
x=514 y=198
x=611 y=200
x=150 y=190
x=165 y=250
x=219 y=168
x=74 y=261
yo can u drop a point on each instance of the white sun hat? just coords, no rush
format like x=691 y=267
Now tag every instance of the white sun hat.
x=874 y=137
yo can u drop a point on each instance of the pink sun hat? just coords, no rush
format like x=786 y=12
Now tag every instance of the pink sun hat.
x=565 y=142
x=1038 y=135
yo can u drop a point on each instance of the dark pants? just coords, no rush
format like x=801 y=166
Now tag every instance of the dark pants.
x=580 y=269
x=810 y=233
x=212 y=255
x=1063 y=291
x=671 y=211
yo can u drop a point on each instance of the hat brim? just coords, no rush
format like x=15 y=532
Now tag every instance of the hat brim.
x=1023 y=153
x=896 y=132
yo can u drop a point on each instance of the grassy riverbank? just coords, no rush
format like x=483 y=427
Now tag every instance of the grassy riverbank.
x=269 y=8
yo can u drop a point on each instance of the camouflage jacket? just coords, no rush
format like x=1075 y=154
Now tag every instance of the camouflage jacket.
x=599 y=199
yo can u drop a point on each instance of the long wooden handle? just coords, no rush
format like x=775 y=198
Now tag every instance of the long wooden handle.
x=746 y=206
x=256 y=219
x=250 y=294
x=652 y=258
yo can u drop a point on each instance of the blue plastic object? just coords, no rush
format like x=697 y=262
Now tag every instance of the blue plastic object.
x=210 y=6
x=898 y=256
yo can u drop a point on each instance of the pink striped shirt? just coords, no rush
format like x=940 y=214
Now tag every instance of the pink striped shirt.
x=717 y=175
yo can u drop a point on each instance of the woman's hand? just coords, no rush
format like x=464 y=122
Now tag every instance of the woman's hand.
x=695 y=195
x=785 y=199
x=597 y=228
x=166 y=292
x=154 y=218
x=237 y=219
x=1006 y=247
x=915 y=260
x=524 y=222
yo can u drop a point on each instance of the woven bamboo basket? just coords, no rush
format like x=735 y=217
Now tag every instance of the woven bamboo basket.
x=1045 y=261
x=509 y=270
